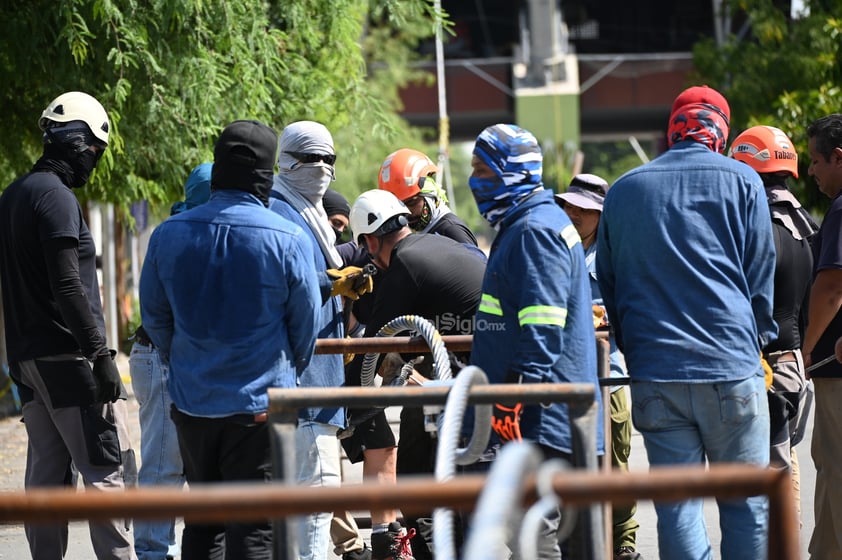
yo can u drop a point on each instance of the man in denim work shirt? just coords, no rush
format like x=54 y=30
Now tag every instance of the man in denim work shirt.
x=686 y=262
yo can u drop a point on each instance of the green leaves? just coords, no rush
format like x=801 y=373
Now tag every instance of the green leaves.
x=782 y=72
x=173 y=73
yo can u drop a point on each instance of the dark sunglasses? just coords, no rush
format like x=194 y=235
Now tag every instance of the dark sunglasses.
x=329 y=159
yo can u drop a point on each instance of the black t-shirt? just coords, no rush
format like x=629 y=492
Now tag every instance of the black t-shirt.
x=450 y=225
x=793 y=269
x=432 y=276
x=34 y=210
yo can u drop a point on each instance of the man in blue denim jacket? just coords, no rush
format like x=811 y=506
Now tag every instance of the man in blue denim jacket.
x=160 y=458
x=686 y=263
x=305 y=170
x=230 y=297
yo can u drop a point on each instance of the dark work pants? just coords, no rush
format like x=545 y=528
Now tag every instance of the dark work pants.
x=417 y=455
x=230 y=449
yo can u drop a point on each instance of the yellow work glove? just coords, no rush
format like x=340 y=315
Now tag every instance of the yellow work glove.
x=350 y=282
x=767 y=371
x=598 y=316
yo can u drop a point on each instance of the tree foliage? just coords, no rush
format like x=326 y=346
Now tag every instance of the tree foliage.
x=173 y=73
x=779 y=71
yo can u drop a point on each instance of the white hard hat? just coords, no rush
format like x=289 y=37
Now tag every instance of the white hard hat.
x=373 y=213
x=77 y=106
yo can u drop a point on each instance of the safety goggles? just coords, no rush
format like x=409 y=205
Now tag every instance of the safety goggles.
x=303 y=157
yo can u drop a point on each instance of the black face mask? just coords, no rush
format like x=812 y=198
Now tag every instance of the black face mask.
x=234 y=177
x=83 y=164
x=74 y=148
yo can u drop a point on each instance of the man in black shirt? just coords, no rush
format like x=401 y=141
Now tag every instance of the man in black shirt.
x=431 y=276
x=770 y=152
x=55 y=330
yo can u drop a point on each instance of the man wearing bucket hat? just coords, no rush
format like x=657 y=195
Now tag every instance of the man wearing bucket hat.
x=583 y=204
x=685 y=262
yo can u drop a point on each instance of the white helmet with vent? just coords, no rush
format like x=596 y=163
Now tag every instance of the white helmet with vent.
x=77 y=106
x=375 y=212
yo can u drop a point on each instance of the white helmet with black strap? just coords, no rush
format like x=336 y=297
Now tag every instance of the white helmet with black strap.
x=377 y=212
x=77 y=106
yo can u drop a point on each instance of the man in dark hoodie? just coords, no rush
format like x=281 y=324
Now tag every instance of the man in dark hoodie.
x=220 y=281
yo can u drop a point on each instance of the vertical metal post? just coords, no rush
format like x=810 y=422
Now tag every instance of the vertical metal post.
x=603 y=367
x=583 y=421
x=444 y=177
x=109 y=277
x=783 y=521
x=282 y=422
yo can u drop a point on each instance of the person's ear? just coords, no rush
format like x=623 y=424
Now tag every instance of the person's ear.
x=836 y=158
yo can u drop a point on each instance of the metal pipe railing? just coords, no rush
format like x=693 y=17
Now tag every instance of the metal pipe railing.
x=260 y=501
x=281 y=400
x=579 y=397
x=454 y=343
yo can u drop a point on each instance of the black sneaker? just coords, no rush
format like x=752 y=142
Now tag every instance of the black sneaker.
x=627 y=553
x=392 y=544
x=364 y=554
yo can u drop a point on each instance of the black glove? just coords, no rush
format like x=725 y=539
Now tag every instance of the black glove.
x=107 y=379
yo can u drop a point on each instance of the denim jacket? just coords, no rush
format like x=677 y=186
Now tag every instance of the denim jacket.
x=324 y=370
x=229 y=295
x=686 y=263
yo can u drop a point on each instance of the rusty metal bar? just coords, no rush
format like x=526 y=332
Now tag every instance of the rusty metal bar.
x=580 y=398
x=379 y=345
x=257 y=501
x=533 y=393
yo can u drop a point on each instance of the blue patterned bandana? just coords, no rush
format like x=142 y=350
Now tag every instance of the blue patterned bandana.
x=516 y=159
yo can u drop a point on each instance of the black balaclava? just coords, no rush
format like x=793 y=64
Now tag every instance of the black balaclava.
x=334 y=204
x=244 y=159
x=67 y=152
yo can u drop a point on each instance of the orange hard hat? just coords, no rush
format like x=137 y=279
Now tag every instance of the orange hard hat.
x=765 y=149
x=402 y=172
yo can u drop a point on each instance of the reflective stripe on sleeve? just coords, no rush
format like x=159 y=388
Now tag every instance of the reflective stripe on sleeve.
x=491 y=305
x=570 y=236
x=542 y=315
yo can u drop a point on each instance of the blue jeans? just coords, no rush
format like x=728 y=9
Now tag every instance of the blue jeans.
x=159 y=455
x=317 y=461
x=686 y=423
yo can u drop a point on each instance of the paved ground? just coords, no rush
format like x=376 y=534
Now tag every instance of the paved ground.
x=13 y=454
